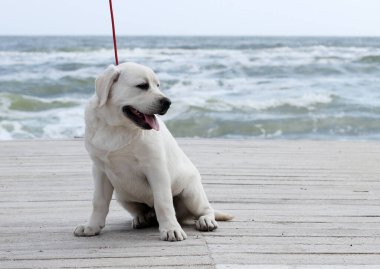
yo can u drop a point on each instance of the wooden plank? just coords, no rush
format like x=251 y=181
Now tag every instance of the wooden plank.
x=300 y=203
x=297 y=258
x=121 y=261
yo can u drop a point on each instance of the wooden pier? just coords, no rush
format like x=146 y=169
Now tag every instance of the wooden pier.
x=308 y=204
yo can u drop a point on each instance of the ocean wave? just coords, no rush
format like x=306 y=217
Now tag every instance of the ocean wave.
x=228 y=87
x=308 y=101
x=74 y=43
x=311 y=114
x=46 y=87
x=314 y=127
x=279 y=61
x=25 y=117
x=369 y=59
x=11 y=101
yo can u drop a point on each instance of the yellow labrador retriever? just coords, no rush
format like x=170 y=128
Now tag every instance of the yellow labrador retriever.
x=134 y=154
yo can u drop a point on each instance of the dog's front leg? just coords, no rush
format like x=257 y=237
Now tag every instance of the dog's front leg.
x=101 y=201
x=159 y=181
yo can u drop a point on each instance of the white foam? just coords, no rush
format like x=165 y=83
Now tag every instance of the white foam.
x=174 y=61
x=306 y=100
x=69 y=123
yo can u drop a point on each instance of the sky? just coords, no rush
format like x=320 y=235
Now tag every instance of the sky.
x=192 y=17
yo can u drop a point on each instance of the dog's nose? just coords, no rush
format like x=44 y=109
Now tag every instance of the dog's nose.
x=165 y=104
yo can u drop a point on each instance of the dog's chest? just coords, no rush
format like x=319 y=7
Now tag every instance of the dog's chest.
x=125 y=174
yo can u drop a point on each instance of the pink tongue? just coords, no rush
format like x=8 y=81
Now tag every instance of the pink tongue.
x=152 y=121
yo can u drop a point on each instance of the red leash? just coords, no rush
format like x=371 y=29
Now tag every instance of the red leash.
x=114 y=35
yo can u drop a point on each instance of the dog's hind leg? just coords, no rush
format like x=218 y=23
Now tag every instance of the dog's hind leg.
x=143 y=215
x=195 y=200
x=183 y=215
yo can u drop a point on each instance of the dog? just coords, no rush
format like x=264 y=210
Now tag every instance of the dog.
x=134 y=154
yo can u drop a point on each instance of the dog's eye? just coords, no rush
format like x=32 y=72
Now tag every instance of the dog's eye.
x=143 y=86
x=158 y=85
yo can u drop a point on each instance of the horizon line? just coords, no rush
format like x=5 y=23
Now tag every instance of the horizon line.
x=185 y=35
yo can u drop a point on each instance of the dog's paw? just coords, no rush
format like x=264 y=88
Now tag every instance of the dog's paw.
x=85 y=230
x=175 y=234
x=206 y=223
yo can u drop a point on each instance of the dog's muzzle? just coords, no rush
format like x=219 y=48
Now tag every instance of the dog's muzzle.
x=146 y=121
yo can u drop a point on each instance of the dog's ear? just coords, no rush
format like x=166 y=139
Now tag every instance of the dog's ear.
x=104 y=83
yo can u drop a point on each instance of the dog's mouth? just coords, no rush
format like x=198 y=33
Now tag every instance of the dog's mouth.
x=142 y=120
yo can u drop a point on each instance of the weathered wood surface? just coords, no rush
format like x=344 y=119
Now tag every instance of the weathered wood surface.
x=302 y=203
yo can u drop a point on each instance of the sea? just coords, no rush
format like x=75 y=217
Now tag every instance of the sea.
x=322 y=88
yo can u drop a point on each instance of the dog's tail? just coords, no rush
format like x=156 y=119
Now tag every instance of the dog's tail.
x=221 y=216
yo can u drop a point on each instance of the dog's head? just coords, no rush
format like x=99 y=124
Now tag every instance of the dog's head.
x=130 y=93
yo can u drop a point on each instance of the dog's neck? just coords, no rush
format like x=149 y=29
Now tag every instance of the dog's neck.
x=113 y=138
x=109 y=138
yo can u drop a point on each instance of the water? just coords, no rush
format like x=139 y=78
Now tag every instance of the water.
x=262 y=87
